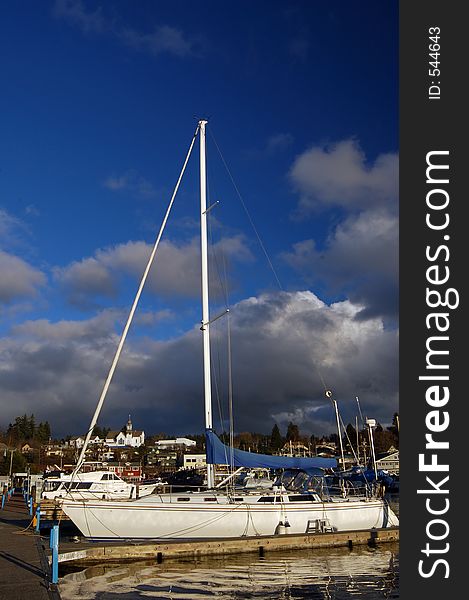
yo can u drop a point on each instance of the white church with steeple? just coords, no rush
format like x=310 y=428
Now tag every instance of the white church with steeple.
x=127 y=437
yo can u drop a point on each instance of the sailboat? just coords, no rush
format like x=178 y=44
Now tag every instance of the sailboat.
x=230 y=512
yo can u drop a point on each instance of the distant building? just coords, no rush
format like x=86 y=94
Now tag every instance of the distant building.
x=326 y=449
x=26 y=449
x=389 y=461
x=130 y=472
x=194 y=461
x=176 y=444
x=129 y=437
x=78 y=441
x=294 y=449
x=52 y=450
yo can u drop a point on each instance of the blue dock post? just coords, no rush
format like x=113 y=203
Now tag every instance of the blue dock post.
x=38 y=518
x=3 y=500
x=30 y=506
x=54 y=545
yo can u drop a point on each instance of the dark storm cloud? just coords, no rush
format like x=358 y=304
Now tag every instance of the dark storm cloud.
x=285 y=348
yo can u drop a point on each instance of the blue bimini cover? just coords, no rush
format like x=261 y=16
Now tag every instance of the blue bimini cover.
x=218 y=453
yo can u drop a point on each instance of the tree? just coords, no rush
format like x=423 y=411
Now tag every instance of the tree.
x=351 y=437
x=102 y=432
x=16 y=460
x=276 y=441
x=22 y=429
x=43 y=432
x=293 y=432
x=245 y=440
x=394 y=429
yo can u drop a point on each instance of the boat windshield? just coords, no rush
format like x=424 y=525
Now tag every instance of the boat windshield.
x=50 y=486
x=294 y=480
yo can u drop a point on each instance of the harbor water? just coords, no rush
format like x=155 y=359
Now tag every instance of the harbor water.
x=333 y=573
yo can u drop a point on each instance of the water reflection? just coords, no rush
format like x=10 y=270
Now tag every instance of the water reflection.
x=337 y=574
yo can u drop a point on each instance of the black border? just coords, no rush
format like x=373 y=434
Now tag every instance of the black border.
x=426 y=125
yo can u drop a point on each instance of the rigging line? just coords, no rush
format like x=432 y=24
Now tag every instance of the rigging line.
x=353 y=451
x=247 y=213
x=132 y=311
x=348 y=439
x=215 y=382
x=258 y=237
x=222 y=280
x=360 y=411
x=216 y=373
x=224 y=285
x=230 y=396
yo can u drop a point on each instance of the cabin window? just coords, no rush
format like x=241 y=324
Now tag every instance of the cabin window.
x=183 y=499
x=301 y=498
x=267 y=499
x=85 y=485
x=210 y=499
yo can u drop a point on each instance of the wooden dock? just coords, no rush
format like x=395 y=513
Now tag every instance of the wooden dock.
x=86 y=553
x=24 y=566
x=51 y=513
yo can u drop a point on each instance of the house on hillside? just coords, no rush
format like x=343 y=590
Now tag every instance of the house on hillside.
x=294 y=449
x=389 y=461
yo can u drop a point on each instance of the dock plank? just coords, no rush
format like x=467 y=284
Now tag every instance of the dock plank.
x=24 y=571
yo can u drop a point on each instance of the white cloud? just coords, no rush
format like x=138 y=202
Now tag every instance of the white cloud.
x=338 y=175
x=12 y=230
x=278 y=142
x=164 y=39
x=75 y=11
x=18 y=278
x=132 y=182
x=82 y=280
x=175 y=271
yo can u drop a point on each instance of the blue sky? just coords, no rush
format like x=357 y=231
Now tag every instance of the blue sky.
x=99 y=103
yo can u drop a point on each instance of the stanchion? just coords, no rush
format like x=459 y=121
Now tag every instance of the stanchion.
x=38 y=518
x=54 y=546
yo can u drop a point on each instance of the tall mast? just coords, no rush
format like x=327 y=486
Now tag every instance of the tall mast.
x=334 y=402
x=205 y=304
x=372 y=423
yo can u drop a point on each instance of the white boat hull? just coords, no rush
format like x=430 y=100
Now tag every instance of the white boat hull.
x=145 y=519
